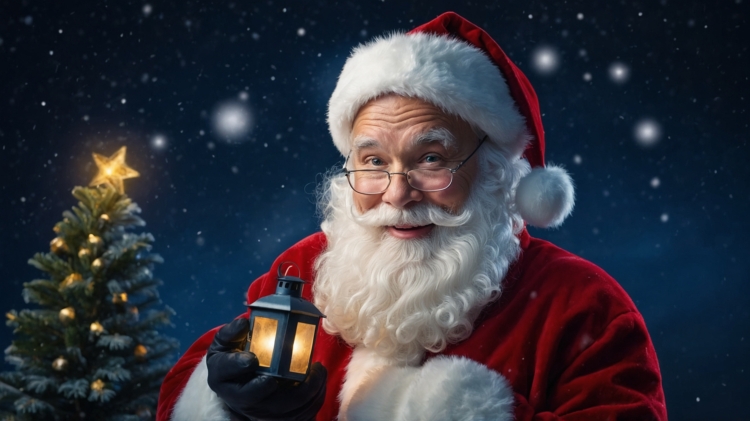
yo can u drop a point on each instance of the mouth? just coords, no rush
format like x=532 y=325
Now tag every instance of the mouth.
x=410 y=231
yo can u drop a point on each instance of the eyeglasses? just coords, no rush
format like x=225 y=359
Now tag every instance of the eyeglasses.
x=422 y=179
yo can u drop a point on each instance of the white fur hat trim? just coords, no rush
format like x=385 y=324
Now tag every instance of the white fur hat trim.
x=446 y=72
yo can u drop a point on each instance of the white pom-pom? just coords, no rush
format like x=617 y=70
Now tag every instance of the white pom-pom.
x=545 y=197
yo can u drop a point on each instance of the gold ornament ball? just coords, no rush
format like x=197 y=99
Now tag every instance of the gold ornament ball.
x=71 y=279
x=97 y=328
x=67 y=314
x=140 y=351
x=120 y=298
x=97 y=385
x=57 y=245
x=60 y=364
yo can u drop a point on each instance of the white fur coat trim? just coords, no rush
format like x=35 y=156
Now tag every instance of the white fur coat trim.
x=197 y=401
x=444 y=388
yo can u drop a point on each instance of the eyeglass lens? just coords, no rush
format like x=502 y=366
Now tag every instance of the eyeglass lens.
x=371 y=182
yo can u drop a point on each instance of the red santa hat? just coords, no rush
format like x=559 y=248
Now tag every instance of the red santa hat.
x=456 y=66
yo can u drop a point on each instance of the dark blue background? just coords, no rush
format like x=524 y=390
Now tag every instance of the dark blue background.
x=221 y=212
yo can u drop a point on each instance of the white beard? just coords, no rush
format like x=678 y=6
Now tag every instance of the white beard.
x=403 y=297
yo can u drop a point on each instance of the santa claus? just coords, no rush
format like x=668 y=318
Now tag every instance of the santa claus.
x=439 y=304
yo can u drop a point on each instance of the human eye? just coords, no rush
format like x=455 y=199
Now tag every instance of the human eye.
x=373 y=162
x=432 y=160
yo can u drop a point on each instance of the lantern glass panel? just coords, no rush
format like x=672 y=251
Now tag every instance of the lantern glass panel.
x=303 y=342
x=263 y=340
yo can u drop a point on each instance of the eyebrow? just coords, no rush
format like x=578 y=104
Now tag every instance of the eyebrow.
x=364 y=142
x=439 y=135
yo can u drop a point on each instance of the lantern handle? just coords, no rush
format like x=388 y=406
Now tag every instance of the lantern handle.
x=299 y=272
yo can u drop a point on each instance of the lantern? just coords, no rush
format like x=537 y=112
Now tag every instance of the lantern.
x=283 y=328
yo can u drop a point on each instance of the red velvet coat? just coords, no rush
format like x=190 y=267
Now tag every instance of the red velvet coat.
x=564 y=334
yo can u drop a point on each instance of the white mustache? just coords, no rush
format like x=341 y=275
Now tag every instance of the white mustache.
x=385 y=216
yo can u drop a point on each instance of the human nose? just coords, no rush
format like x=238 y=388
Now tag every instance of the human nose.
x=400 y=193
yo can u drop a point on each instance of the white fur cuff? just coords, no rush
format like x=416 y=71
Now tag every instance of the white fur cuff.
x=445 y=388
x=197 y=401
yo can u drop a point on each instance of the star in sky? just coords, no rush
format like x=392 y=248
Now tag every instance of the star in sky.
x=113 y=170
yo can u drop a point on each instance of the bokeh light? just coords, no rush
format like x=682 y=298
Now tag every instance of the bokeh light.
x=159 y=142
x=647 y=132
x=619 y=73
x=232 y=121
x=545 y=60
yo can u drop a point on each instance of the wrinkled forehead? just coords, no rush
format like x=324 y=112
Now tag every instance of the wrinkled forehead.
x=416 y=119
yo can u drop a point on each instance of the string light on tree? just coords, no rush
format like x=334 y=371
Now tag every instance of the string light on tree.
x=96 y=328
x=67 y=314
x=83 y=252
x=60 y=364
x=96 y=264
x=119 y=298
x=58 y=246
x=97 y=385
x=94 y=240
x=134 y=313
x=71 y=280
x=140 y=351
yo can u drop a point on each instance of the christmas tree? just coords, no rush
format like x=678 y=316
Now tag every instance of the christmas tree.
x=91 y=350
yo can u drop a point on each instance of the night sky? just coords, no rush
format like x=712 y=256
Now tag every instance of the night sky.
x=643 y=102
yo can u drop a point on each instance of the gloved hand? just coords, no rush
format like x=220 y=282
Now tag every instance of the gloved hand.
x=232 y=376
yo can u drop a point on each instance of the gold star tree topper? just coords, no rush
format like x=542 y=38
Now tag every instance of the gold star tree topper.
x=113 y=170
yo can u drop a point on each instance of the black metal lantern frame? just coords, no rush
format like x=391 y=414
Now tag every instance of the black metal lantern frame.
x=283 y=329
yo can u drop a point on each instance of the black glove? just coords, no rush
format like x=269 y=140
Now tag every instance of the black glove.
x=231 y=374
